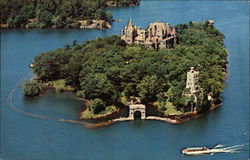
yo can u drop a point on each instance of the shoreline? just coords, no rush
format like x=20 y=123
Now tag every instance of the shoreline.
x=124 y=119
x=82 y=24
x=174 y=119
x=99 y=117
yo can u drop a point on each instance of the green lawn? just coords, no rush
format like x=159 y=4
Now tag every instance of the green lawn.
x=89 y=113
x=170 y=109
x=60 y=86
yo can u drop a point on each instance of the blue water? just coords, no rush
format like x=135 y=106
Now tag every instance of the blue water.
x=27 y=138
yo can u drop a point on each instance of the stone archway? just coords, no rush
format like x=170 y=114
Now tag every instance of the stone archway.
x=137 y=115
x=133 y=108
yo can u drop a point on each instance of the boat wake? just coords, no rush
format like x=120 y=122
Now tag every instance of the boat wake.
x=12 y=106
x=232 y=149
x=217 y=149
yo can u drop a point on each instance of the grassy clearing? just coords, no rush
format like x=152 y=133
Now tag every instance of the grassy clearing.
x=60 y=86
x=168 y=109
x=171 y=109
x=90 y=114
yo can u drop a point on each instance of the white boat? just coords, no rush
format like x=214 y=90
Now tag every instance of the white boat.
x=31 y=65
x=196 y=150
x=205 y=150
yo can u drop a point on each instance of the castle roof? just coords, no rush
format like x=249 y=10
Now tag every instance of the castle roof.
x=130 y=22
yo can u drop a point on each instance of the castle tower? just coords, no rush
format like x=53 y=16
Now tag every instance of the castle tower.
x=192 y=82
x=193 y=89
x=129 y=33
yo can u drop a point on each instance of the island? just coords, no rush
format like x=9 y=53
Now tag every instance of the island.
x=59 y=13
x=178 y=70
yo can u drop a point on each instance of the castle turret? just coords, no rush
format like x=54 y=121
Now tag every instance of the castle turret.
x=193 y=88
x=129 y=33
x=192 y=82
x=130 y=22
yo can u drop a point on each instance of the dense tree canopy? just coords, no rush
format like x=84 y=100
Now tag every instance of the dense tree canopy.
x=32 y=88
x=53 y=13
x=108 y=69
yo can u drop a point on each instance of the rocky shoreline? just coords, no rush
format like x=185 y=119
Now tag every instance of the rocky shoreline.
x=113 y=3
x=94 y=24
x=82 y=24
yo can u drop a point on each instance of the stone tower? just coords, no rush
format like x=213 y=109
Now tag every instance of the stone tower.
x=192 y=83
x=128 y=33
x=192 y=86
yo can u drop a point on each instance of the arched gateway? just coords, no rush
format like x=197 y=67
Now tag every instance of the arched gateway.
x=133 y=108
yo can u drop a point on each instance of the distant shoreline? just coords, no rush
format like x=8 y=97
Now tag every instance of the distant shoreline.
x=100 y=19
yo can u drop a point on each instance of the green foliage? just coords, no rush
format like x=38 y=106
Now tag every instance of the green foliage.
x=98 y=85
x=49 y=66
x=90 y=114
x=148 y=88
x=171 y=109
x=45 y=18
x=52 y=13
x=161 y=106
x=107 y=69
x=60 y=85
x=126 y=2
x=81 y=94
x=97 y=106
x=32 y=88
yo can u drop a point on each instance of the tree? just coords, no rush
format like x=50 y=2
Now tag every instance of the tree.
x=97 y=106
x=51 y=13
x=49 y=66
x=32 y=88
x=109 y=15
x=28 y=11
x=58 y=21
x=66 y=46
x=101 y=14
x=148 y=88
x=45 y=17
x=98 y=86
x=74 y=42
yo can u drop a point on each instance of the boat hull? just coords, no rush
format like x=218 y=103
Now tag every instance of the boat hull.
x=196 y=152
x=204 y=152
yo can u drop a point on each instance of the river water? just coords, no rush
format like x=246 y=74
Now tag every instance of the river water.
x=24 y=137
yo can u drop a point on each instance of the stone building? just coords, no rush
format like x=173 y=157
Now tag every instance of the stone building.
x=158 y=35
x=193 y=88
x=192 y=83
x=209 y=22
x=136 y=108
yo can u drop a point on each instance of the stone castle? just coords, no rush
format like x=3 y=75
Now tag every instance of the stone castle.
x=158 y=35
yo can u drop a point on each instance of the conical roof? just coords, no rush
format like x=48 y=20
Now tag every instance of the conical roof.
x=130 y=22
